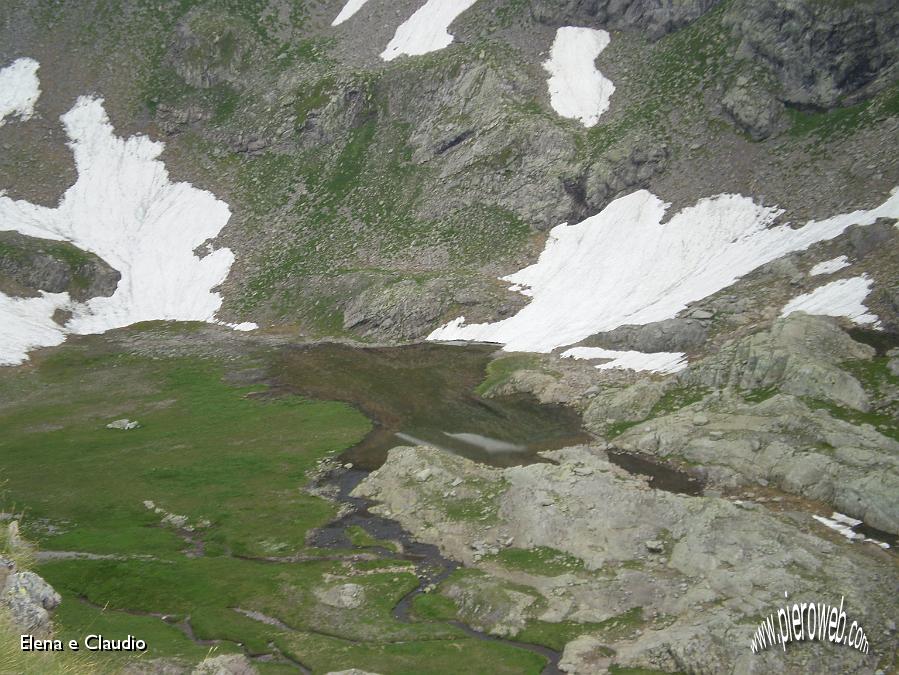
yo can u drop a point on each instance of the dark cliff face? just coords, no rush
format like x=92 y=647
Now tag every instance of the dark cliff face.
x=29 y=265
x=655 y=17
x=823 y=52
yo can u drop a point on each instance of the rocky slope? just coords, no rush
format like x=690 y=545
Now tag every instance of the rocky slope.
x=380 y=198
x=781 y=428
x=697 y=571
x=376 y=200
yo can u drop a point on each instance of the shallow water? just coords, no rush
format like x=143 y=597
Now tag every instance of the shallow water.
x=424 y=393
x=661 y=476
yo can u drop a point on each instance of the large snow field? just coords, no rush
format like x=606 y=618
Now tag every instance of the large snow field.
x=19 y=89
x=623 y=266
x=844 y=297
x=656 y=362
x=123 y=208
x=426 y=30
x=349 y=9
x=576 y=88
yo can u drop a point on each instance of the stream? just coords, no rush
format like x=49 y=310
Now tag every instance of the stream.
x=421 y=394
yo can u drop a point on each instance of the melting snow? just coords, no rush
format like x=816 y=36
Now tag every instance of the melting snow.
x=123 y=208
x=623 y=266
x=846 y=526
x=656 y=362
x=19 y=89
x=844 y=297
x=350 y=8
x=830 y=266
x=27 y=323
x=426 y=30
x=576 y=88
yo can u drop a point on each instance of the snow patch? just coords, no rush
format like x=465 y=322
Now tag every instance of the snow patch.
x=426 y=30
x=830 y=266
x=19 y=89
x=350 y=8
x=846 y=526
x=26 y=323
x=576 y=88
x=656 y=362
x=844 y=297
x=123 y=208
x=623 y=266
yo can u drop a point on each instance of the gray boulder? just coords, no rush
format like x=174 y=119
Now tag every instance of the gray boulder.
x=752 y=108
x=670 y=335
x=30 y=600
x=29 y=265
x=123 y=424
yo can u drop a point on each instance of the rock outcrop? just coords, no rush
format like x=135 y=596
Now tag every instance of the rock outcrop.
x=28 y=598
x=29 y=265
x=670 y=335
x=823 y=53
x=718 y=564
x=798 y=355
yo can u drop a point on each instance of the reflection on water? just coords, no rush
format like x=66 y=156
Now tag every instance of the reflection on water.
x=425 y=393
x=487 y=443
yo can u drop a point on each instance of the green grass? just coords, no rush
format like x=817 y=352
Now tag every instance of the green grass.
x=234 y=456
x=484 y=508
x=759 y=395
x=556 y=635
x=617 y=428
x=884 y=423
x=463 y=655
x=205 y=450
x=542 y=560
x=359 y=537
x=499 y=370
x=434 y=607
x=677 y=398
x=823 y=125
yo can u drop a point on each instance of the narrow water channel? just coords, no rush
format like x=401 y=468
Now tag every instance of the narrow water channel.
x=422 y=394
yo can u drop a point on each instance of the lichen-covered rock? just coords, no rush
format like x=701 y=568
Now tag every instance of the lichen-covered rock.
x=798 y=355
x=630 y=404
x=30 y=600
x=344 y=596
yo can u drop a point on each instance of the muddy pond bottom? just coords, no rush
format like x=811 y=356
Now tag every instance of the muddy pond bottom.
x=425 y=393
